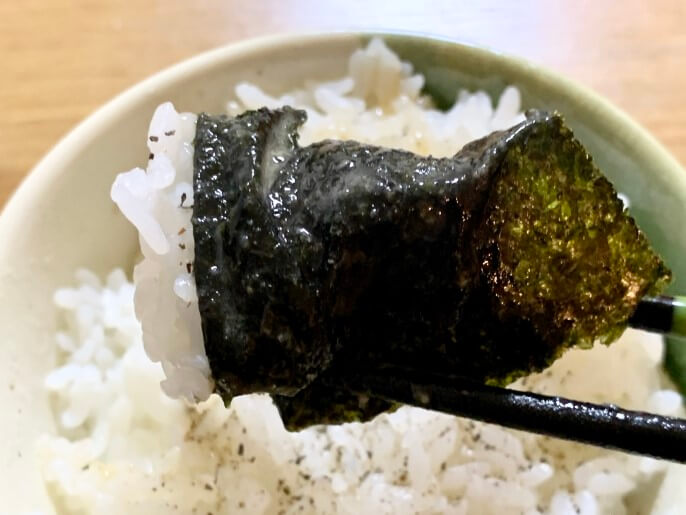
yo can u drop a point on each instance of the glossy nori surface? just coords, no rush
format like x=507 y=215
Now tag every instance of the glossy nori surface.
x=317 y=263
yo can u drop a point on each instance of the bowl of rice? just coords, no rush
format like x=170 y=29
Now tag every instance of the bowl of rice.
x=91 y=425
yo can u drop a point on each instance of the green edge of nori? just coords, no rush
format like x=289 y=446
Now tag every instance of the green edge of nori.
x=488 y=265
x=570 y=258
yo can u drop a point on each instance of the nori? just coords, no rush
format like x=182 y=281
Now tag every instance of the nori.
x=317 y=263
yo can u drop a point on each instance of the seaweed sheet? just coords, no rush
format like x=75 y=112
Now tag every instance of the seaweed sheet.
x=317 y=263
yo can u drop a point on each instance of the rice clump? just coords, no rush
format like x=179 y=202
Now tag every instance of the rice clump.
x=125 y=445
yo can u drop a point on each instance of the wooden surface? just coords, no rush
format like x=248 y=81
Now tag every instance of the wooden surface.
x=61 y=59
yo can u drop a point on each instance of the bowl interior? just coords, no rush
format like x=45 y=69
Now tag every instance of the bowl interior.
x=61 y=218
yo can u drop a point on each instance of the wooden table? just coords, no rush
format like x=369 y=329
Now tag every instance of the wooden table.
x=61 y=59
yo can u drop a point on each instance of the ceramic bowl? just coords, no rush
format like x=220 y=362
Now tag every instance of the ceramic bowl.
x=62 y=218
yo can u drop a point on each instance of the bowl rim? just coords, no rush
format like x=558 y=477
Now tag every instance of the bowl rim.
x=42 y=173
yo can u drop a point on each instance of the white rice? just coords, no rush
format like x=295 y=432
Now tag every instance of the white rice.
x=126 y=447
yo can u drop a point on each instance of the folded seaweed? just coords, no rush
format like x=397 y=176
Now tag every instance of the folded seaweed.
x=317 y=264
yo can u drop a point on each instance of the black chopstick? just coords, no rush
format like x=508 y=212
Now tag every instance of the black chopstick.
x=600 y=425
x=663 y=314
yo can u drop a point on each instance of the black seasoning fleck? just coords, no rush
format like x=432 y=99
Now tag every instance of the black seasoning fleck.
x=183 y=199
x=154 y=138
x=240 y=449
x=189 y=267
x=86 y=467
x=182 y=246
x=151 y=156
x=241 y=505
x=170 y=133
x=310 y=285
x=208 y=486
x=444 y=465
